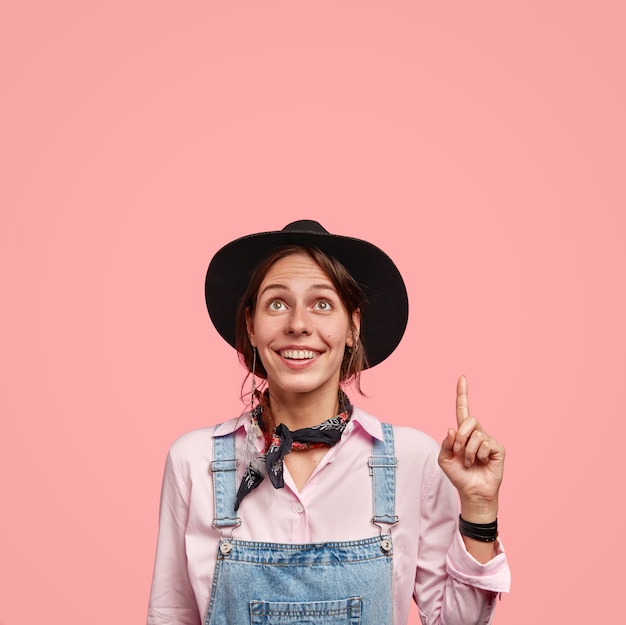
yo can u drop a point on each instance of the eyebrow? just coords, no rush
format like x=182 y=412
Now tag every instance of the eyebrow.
x=323 y=286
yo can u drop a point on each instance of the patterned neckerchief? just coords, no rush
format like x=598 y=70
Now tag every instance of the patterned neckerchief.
x=280 y=441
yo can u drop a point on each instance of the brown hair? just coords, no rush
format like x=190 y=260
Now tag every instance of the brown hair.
x=349 y=291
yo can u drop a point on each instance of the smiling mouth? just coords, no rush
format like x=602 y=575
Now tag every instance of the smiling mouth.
x=297 y=354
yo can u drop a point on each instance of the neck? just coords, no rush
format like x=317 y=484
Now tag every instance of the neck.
x=302 y=410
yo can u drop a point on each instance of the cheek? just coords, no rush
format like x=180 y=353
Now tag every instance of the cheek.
x=264 y=329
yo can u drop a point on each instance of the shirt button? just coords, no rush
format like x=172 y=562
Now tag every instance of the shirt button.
x=299 y=508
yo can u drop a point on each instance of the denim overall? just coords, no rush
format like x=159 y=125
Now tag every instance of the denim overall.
x=332 y=583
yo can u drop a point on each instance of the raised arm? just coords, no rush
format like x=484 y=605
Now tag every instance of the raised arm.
x=474 y=463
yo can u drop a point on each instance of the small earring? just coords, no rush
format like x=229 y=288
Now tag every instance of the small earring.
x=253 y=389
x=248 y=454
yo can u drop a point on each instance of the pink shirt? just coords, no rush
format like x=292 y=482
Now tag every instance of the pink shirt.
x=430 y=562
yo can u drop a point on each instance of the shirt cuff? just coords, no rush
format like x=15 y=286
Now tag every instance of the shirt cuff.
x=494 y=575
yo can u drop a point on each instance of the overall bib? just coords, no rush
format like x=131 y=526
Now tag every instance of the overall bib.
x=331 y=583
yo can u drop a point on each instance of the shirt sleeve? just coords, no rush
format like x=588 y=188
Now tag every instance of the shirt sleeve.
x=172 y=601
x=451 y=586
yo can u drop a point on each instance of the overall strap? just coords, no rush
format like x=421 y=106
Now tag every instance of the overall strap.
x=383 y=463
x=224 y=469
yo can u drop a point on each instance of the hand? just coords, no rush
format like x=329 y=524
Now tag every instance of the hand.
x=473 y=462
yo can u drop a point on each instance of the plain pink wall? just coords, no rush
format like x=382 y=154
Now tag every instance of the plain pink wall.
x=481 y=144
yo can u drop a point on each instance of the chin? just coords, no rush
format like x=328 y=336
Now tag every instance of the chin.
x=304 y=386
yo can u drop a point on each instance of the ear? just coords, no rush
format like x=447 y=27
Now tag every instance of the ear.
x=250 y=328
x=355 y=329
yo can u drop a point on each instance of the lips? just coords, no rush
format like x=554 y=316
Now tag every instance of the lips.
x=298 y=354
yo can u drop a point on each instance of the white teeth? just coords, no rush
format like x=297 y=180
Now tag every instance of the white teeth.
x=298 y=354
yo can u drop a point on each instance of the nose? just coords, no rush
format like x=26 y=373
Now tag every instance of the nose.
x=298 y=322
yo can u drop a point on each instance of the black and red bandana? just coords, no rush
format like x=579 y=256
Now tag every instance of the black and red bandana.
x=282 y=440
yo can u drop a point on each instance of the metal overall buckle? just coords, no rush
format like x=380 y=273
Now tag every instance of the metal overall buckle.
x=386 y=544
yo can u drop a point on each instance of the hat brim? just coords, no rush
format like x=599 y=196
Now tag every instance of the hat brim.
x=383 y=318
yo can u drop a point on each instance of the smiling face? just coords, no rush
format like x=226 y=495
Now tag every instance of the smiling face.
x=300 y=327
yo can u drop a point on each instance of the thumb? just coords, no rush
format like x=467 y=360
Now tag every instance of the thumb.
x=447 y=443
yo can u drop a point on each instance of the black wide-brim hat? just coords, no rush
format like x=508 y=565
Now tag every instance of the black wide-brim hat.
x=383 y=317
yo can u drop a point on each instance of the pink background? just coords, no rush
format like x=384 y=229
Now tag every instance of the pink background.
x=481 y=144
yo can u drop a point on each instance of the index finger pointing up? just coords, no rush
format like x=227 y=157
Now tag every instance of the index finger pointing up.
x=462 y=405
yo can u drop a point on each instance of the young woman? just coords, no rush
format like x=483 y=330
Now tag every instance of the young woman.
x=306 y=509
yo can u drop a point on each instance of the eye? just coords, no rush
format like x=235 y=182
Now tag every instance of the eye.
x=323 y=305
x=276 y=304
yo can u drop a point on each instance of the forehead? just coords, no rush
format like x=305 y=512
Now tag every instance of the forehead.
x=296 y=267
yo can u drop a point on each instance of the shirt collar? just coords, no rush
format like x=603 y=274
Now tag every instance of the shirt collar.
x=359 y=417
x=368 y=422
